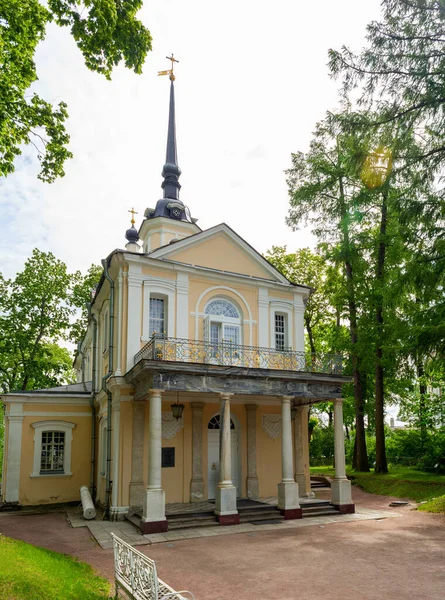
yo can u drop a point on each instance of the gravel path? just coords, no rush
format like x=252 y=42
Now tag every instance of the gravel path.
x=389 y=559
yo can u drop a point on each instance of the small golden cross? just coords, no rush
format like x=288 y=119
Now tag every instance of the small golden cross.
x=169 y=71
x=133 y=212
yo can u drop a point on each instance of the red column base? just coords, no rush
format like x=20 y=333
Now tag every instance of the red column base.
x=345 y=509
x=291 y=513
x=153 y=526
x=228 y=519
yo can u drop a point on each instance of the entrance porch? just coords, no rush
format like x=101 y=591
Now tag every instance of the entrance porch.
x=236 y=416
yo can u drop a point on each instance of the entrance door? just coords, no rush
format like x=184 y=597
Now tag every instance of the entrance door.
x=213 y=456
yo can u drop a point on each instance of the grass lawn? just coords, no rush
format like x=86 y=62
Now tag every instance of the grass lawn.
x=31 y=573
x=434 y=506
x=401 y=482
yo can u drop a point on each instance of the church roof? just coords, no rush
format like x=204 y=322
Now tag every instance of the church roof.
x=73 y=388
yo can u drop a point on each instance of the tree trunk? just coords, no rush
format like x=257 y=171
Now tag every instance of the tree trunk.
x=422 y=402
x=381 y=465
x=360 y=454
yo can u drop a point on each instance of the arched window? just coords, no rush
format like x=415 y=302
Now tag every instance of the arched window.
x=222 y=323
x=215 y=423
x=221 y=307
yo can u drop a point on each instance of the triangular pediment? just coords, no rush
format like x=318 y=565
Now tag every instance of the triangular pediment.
x=222 y=249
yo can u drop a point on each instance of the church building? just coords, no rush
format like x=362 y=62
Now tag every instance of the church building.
x=194 y=386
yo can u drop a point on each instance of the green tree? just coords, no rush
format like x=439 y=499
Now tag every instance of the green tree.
x=81 y=295
x=401 y=74
x=106 y=32
x=37 y=310
x=325 y=191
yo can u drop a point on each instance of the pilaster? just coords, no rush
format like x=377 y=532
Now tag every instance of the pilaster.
x=137 y=454
x=252 y=476
x=197 y=482
x=15 y=424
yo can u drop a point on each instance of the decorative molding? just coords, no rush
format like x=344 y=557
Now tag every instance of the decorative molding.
x=272 y=425
x=170 y=425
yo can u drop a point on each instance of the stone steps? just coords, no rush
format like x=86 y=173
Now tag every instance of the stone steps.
x=253 y=513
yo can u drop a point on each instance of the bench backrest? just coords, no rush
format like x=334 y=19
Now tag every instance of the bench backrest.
x=134 y=572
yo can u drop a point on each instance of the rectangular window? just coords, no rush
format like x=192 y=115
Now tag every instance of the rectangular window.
x=157 y=316
x=168 y=457
x=280 y=332
x=53 y=449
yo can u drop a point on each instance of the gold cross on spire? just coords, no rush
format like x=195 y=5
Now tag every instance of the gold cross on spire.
x=169 y=71
x=133 y=212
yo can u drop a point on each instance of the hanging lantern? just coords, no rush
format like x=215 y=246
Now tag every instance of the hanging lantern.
x=177 y=409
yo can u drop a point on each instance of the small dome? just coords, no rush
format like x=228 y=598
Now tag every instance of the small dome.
x=132 y=235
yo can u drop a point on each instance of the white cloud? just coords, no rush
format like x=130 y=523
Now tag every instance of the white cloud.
x=251 y=83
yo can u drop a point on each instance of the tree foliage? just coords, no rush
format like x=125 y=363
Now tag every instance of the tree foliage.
x=37 y=313
x=106 y=32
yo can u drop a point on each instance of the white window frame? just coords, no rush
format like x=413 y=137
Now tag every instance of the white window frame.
x=43 y=426
x=166 y=292
x=222 y=320
x=286 y=309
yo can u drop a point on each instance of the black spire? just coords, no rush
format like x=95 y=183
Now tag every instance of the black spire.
x=171 y=170
x=170 y=205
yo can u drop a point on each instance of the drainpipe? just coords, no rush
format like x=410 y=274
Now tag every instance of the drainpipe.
x=93 y=408
x=107 y=391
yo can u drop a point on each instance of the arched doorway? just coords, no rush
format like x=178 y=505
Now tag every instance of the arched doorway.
x=213 y=427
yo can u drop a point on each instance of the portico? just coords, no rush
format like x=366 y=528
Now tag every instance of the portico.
x=260 y=410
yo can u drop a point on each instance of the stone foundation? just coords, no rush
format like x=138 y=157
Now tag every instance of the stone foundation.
x=153 y=526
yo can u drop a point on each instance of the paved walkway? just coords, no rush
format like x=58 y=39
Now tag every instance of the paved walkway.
x=348 y=557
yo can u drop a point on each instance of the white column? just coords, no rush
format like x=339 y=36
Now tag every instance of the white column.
x=153 y=518
x=225 y=501
x=341 y=486
x=252 y=475
x=197 y=482
x=137 y=454
x=302 y=473
x=15 y=422
x=287 y=488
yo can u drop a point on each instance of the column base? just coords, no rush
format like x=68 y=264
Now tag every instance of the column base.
x=344 y=509
x=253 y=488
x=288 y=496
x=228 y=519
x=154 y=506
x=196 y=490
x=341 y=492
x=117 y=513
x=225 y=501
x=153 y=526
x=137 y=492
x=291 y=513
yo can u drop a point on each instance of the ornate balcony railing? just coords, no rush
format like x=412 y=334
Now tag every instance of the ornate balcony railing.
x=235 y=355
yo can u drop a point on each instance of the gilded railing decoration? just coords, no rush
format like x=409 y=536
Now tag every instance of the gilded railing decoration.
x=236 y=355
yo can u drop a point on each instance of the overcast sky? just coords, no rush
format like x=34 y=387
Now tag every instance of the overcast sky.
x=251 y=83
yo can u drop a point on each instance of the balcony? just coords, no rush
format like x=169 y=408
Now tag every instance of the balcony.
x=227 y=354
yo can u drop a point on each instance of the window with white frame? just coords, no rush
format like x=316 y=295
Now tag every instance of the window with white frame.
x=157 y=320
x=280 y=331
x=222 y=323
x=52 y=448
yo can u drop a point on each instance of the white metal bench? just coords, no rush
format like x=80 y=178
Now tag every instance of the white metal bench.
x=136 y=575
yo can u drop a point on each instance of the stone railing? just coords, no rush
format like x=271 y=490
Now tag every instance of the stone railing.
x=236 y=355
